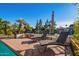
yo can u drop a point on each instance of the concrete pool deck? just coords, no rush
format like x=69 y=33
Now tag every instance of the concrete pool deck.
x=25 y=47
x=17 y=44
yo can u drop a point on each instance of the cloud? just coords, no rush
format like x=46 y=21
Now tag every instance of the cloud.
x=63 y=23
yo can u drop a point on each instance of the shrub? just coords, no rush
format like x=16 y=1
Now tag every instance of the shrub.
x=1 y=32
x=76 y=29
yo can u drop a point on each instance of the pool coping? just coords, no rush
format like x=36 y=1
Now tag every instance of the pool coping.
x=16 y=52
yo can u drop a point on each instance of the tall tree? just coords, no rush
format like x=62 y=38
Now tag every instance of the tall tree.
x=37 y=27
x=40 y=26
x=46 y=26
x=52 y=28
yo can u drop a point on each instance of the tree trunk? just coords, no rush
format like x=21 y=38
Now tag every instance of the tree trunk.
x=5 y=31
x=25 y=30
x=19 y=28
x=15 y=35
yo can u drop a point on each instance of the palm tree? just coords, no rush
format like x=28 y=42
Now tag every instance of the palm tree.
x=25 y=27
x=1 y=21
x=1 y=31
x=14 y=29
x=21 y=22
x=6 y=26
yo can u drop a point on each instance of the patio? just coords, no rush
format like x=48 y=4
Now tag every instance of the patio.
x=25 y=47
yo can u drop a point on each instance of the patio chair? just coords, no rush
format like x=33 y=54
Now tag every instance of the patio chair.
x=61 y=40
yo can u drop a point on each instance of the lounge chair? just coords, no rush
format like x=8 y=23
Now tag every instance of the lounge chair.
x=60 y=41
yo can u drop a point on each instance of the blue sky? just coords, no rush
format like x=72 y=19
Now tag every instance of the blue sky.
x=64 y=13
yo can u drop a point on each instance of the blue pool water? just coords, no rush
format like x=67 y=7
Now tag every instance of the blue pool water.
x=5 y=50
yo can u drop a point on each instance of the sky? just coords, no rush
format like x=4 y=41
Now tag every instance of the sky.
x=31 y=12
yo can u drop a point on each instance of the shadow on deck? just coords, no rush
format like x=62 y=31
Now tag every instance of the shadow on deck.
x=53 y=50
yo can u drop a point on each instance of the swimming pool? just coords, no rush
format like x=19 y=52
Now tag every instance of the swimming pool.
x=5 y=50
